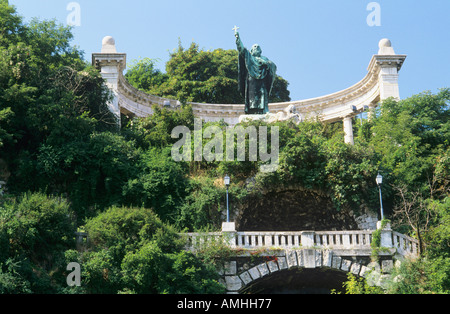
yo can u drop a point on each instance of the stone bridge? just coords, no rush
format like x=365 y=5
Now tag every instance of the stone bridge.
x=260 y=256
x=304 y=259
x=380 y=83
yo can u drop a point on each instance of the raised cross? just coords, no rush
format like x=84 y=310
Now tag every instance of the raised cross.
x=235 y=29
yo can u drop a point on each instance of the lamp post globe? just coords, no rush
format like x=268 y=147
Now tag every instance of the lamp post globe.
x=379 y=181
x=227 y=181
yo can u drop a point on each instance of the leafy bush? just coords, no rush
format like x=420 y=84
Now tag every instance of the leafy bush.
x=35 y=230
x=132 y=250
x=161 y=184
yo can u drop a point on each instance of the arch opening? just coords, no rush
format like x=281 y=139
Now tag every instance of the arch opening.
x=298 y=281
x=293 y=210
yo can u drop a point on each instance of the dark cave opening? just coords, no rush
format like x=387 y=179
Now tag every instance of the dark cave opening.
x=299 y=281
x=293 y=210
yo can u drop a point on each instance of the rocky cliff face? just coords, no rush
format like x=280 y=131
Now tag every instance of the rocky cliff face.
x=296 y=210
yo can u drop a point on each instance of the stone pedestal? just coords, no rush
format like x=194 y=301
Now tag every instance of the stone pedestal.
x=111 y=65
x=229 y=233
x=389 y=64
x=228 y=227
x=386 y=235
x=288 y=114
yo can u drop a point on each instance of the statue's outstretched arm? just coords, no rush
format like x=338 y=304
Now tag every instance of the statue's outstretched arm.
x=239 y=44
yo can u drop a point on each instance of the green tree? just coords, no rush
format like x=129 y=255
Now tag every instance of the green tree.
x=48 y=94
x=91 y=172
x=314 y=156
x=144 y=75
x=421 y=276
x=156 y=130
x=355 y=285
x=412 y=138
x=202 y=207
x=196 y=75
x=161 y=184
x=5 y=114
x=132 y=250
x=438 y=236
x=35 y=230
x=410 y=134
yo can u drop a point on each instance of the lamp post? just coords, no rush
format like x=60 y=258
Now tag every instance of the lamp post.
x=379 y=182
x=227 y=184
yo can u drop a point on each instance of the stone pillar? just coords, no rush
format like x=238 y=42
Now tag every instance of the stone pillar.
x=229 y=233
x=307 y=239
x=371 y=111
x=390 y=64
x=348 y=130
x=388 y=80
x=386 y=235
x=385 y=66
x=111 y=65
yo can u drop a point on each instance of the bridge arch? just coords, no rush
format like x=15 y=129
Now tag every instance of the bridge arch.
x=256 y=255
x=299 y=280
x=238 y=280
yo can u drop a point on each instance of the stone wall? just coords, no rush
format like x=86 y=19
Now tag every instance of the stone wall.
x=297 y=209
x=367 y=221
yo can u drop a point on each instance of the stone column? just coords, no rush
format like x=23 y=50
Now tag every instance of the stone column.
x=307 y=239
x=385 y=66
x=388 y=80
x=348 y=130
x=111 y=65
x=229 y=233
x=390 y=64
x=371 y=111
x=386 y=235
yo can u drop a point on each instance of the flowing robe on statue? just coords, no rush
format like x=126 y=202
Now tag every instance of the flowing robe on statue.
x=256 y=77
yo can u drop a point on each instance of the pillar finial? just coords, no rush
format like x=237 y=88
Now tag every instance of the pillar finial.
x=109 y=45
x=386 y=48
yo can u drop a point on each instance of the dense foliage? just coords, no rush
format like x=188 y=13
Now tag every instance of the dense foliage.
x=133 y=251
x=195 y=75
x=69 y=168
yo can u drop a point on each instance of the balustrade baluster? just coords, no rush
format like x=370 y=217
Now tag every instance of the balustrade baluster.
x=346 y=240
x=325 y=240
x=267 y=240
x=247 y=241
x=282 y=240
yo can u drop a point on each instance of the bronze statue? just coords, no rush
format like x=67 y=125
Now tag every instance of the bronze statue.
x=256 y=77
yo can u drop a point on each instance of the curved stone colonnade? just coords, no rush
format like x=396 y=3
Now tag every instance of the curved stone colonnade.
x=381 y=82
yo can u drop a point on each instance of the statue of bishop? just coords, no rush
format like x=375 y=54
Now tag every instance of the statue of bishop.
x=256 y=77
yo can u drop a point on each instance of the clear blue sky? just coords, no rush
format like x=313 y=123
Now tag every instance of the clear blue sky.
x=319 y=46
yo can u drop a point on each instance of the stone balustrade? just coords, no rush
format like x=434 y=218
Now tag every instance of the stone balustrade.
x=336 y=250
x=405 y=245
x=336 y=240
x=359 y=240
